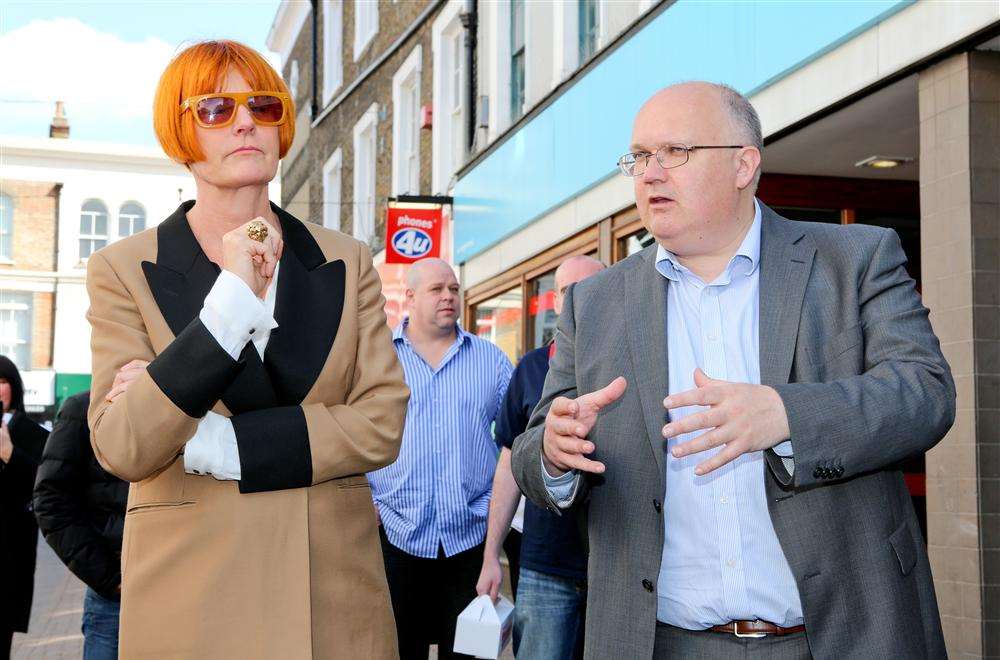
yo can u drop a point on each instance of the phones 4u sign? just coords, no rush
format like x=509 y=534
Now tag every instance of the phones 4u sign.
x=413 y=232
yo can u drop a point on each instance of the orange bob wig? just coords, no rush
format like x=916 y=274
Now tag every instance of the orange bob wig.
x=200 y=69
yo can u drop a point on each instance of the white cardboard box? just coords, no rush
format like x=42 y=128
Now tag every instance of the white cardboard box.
x=484 y=629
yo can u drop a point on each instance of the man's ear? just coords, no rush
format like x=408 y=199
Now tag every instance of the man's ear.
x=748 y=160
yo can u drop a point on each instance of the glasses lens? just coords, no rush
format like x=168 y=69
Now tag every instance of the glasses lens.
x=266 y=108
x=630 y=164
x=671 y=156
x=215 y=110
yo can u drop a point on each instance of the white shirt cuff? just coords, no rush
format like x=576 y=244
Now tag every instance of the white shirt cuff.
x=561 y=489
x=213 y=450
x=232 y=313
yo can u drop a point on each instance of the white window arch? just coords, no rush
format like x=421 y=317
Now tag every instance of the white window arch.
x=131 y=219
x=93 y=227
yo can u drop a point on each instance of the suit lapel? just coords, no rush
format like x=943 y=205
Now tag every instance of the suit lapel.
x=179 y=280
x=647 y=337
x=310 y=302
x=785 y=263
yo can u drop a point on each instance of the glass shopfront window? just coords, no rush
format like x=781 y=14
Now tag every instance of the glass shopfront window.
x=499 y=320
x=542 y=317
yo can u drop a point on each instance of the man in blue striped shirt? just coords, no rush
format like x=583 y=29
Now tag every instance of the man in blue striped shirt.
x=434 y=500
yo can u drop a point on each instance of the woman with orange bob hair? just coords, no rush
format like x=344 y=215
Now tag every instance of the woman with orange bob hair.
x=244 y=381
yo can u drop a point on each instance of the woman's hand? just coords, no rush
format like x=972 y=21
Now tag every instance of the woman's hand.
x=6 y=446
x=125 y=377
x=252 y=261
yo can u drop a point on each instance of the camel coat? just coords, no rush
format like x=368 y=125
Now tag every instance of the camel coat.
x=286 y=562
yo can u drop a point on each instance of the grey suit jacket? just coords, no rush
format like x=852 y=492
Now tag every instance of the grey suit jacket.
x=846 y=342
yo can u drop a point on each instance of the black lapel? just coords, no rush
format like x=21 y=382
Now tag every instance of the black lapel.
x=179 y=280
x=309 y=307
x=786 y=257
x=647 y=334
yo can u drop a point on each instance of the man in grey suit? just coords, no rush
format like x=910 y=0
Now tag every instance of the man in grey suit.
x=758 y=510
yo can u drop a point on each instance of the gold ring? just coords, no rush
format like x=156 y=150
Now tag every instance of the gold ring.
x=257 y=231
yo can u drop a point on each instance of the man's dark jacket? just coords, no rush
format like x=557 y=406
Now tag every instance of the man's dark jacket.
x=80 y=507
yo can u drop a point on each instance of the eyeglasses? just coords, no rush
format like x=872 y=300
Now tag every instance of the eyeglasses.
x=668 y=156
x=219 y=109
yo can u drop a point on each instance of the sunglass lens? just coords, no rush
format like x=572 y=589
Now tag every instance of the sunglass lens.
x=266 y=108
x=215 y=110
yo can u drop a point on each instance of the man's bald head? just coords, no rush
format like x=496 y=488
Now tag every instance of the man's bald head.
x=421 y=269
x=432 y=296
x=571 y=271
x=698 y=206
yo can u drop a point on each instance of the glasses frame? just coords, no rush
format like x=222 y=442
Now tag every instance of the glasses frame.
x=687 y=155
x=241 y=98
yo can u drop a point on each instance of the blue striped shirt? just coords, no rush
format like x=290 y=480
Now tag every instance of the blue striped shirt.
x=437 y=493
x=721 y=557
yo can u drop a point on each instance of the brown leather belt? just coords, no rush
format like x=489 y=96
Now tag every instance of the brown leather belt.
x=755 y=629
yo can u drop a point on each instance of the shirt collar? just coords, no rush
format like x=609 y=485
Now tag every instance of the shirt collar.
x=398 y=333
x=749 y=252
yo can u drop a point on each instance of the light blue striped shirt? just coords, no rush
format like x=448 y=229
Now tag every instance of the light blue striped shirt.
x=721 y=558
x=437 y=493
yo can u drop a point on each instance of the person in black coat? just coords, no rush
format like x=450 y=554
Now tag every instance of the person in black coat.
x=21 y=442
x=81 y=512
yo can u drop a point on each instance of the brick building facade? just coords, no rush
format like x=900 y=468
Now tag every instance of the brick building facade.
x=367 y=83
x=28 y=223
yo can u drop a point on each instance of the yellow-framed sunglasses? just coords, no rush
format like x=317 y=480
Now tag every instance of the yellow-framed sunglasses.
x=219 y=109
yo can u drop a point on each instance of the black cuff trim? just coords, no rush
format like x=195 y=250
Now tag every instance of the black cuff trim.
x=194 y=370
x=274 y=449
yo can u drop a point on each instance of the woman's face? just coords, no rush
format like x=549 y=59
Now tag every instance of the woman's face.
x=5 y=393
x=240 y=154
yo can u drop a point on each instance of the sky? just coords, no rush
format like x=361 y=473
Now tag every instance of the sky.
x=103 y=59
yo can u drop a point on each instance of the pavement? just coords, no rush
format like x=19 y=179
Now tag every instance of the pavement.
x=57 y=608
x=56 y=611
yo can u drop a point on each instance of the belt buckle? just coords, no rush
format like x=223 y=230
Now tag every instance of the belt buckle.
x=755 y=635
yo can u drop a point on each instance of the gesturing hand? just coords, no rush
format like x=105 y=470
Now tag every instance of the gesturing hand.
x=743 y=417
x=252 y=261
x=125 y=377
x=567 y=425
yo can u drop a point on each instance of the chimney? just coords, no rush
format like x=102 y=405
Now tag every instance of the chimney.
x=59 y=128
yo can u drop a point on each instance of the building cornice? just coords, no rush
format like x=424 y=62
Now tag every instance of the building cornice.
x=287 y=25
x=79 y=151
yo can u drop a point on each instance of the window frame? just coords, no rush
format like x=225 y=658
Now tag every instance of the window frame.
x=361 y=208
x=406 y=129
x=6 y=217
x=12 y=307
x=519 y=91
x=332 y=192
x=449 y=151
x=333 y=48
x=132 y=217
x=362 y=39
x=93 y=236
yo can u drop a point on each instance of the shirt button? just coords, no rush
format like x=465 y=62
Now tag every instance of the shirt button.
x=723 y=500
x=731 y=563
x=647 y=585
x=713 y=337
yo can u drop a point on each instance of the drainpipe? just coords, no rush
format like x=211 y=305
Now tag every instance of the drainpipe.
x=470 y=22
x=314 y=109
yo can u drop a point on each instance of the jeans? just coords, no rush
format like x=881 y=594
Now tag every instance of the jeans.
x=100 y=627
x=549 y=616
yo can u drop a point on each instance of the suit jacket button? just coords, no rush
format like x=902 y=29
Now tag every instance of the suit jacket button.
x=647 y=585
x=657 y=506
x=818 y=473
x=840 y=470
